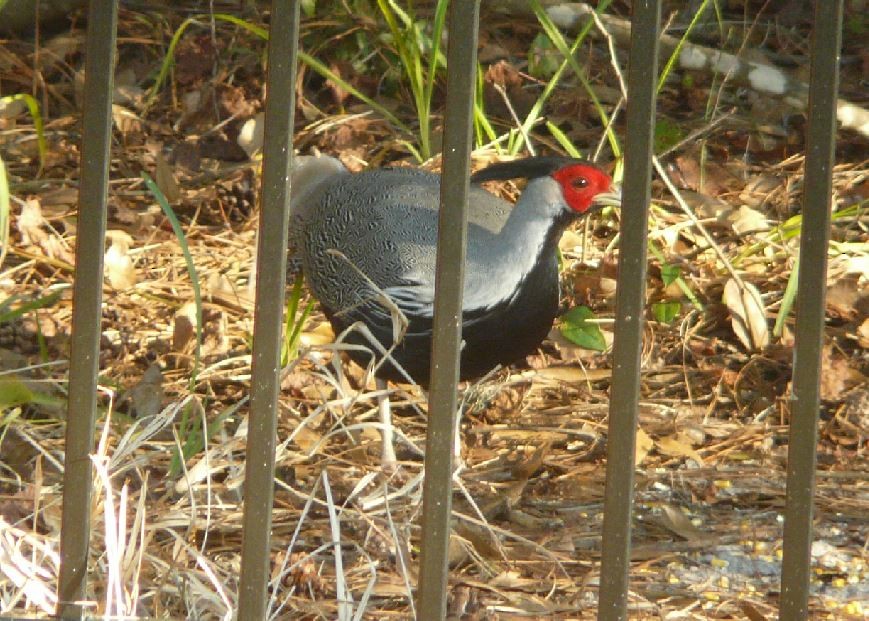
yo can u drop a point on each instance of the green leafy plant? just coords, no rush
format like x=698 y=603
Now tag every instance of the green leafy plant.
x=578 y=326
x=11 y=309
x=5 y=212
x=569 y=60
x=191 y=268
x=34 y=110
x=262 y=33
x=421 y=59
x=295 y=322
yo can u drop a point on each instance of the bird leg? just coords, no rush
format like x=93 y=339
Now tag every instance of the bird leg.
x=387 y=451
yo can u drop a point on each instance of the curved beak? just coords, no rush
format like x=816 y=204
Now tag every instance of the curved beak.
x=613 y=198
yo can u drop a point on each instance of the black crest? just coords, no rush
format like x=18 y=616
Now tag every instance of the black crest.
x=528 y=168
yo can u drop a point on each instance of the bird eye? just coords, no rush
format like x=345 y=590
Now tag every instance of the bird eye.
x=579 y=183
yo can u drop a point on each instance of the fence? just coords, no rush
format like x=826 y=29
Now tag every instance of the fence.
x=433 y=576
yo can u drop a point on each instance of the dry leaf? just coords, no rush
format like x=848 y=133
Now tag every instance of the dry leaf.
x=322 y=334
x=184 y=328
x=306 y=438
x=747 y=220
x=146 y=396
x=678 y=523
x=747 y=314
x=126 y=120
x=678 y=446
x=530 y=464
x=570 y=374
x=644 y=445
x=119 y=268
x=31 y=223
x=251 y=136
x=751 y=612
x=165 y=179
x=863 y=334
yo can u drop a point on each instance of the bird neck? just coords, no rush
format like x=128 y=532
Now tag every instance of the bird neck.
x=529 y=237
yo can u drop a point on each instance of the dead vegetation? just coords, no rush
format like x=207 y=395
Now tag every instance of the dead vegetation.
x=714 y=404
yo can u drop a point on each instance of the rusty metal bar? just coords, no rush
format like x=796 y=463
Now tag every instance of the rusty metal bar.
x=268 y=314
x=464 y=18
x=812 y=287
x=87 y=303
x=630 y=308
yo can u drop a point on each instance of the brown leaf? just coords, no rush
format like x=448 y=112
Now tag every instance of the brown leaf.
x=644 y=445
x=31 y=222
x=748 y=316
x=836 y=375
x=165 y=178
x=119 y=268
x=747 y=220
x=146 y=396
x=678 y=445
x=678 y=523
x=528 y=466
x=751 y=612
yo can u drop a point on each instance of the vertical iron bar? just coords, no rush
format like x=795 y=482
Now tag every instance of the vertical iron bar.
x=812 y=287
x=464 y=19
x=268 y=314
x=630 y=308
x=87 y=303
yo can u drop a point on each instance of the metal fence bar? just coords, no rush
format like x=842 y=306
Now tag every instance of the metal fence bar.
x=464 y=18
x=812 y=287
x=87 y=302
x=630 y=308
x=268 y=314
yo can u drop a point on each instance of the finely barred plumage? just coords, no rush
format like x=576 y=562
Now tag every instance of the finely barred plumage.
x=364 y=235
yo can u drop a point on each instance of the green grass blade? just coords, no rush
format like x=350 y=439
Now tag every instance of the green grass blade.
x=557 y=39
x=5 y=212
x=191 y=269
x=680 y=282
x=675 y=55
x=788 y=299
x=7 y=313
x=563 y=140
x=38 y=125
x=327 y=73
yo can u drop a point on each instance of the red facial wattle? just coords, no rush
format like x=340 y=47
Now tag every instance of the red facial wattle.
x=581 y=184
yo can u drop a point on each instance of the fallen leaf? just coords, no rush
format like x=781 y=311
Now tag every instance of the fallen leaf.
x=31 y=222
x=863 y=334
x=146 y=396
x=250 y=137
x=644 y=445
x=165 y=179
x=125 y=120
x=748 y=316
x=678 y=445
x=119 y=268
x=678 y=523
x=747 y=220
x=184 y=327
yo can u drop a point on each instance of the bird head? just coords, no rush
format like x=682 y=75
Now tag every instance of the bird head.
x=584 y=186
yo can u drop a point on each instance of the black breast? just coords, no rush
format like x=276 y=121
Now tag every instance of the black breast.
x=499 y=335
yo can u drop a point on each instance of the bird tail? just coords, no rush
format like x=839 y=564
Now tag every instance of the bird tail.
x=309 y=173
